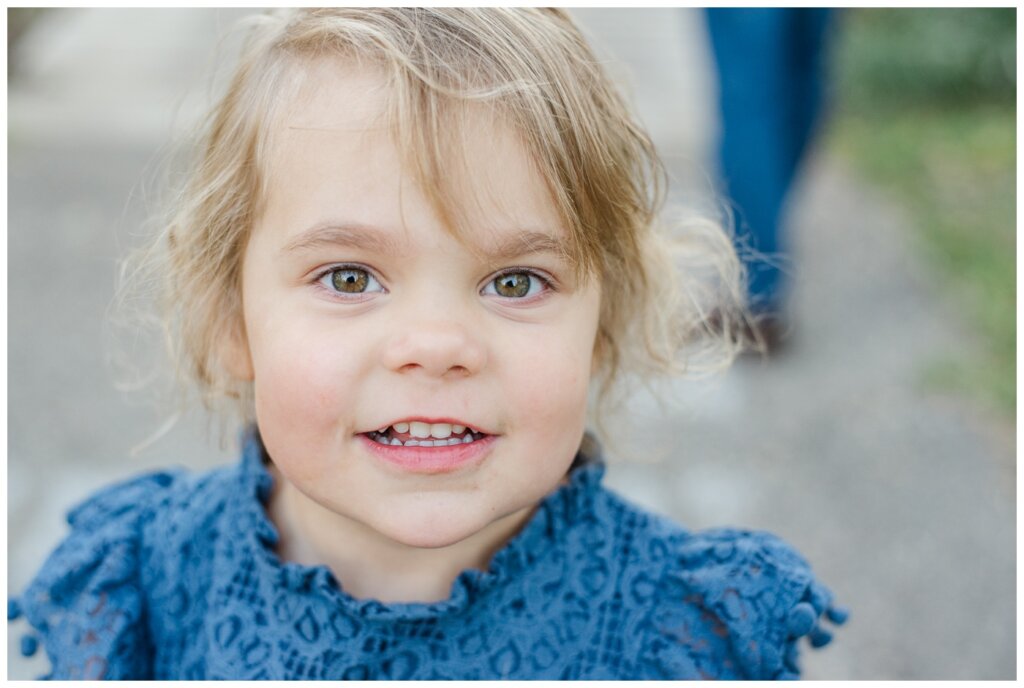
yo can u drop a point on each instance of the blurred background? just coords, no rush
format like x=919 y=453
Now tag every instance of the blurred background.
x=878 y=437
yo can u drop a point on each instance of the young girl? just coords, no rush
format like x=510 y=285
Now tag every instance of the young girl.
x=413 y=242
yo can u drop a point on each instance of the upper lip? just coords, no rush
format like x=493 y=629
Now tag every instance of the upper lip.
x=432 y=421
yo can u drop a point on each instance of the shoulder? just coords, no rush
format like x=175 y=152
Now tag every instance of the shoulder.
x=87 y=601
x=135 y=501
x=722 y=603
x=153 y=512
x=734 y=603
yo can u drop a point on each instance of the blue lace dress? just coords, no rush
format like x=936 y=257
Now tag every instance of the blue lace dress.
x=173 y=575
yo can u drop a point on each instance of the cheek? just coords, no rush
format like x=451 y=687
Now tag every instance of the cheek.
x=550 y=377
x=304 y=380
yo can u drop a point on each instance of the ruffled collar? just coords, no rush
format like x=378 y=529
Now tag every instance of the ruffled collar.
x=545 y=528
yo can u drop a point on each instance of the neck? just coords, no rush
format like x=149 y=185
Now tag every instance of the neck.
x=369 y=565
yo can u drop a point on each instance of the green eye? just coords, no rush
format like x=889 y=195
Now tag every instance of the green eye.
x=513 y=284
x=350 y=280
x=522 y=284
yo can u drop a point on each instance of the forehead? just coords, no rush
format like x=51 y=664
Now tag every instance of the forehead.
x=334 y=149
x=333 y=94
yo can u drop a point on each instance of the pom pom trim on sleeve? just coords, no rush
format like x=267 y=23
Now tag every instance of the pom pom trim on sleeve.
x=750 y=595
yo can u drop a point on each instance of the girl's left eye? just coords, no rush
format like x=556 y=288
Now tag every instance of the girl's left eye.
x=518 y=284
x=350 y=279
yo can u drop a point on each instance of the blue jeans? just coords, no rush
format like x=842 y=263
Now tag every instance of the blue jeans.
x=770 y=64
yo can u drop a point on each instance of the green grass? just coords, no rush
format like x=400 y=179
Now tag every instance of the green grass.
x=952 y=164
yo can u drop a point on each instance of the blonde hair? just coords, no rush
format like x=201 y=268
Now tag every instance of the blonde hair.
x=531 y=67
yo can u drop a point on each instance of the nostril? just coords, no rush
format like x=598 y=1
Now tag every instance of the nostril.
x=457 y=370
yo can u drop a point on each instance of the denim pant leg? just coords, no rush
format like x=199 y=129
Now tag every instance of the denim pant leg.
x=769 y=63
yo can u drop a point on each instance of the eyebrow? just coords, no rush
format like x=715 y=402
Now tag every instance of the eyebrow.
x=528 y=242
x=368 y=238
x=344 y=235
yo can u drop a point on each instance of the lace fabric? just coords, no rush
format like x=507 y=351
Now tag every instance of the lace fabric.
x=174 y=576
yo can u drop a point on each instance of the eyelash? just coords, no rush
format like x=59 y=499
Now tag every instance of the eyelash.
x=328 y=271
x=547 y=284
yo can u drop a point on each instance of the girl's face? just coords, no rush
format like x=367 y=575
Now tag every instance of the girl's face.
x=362 y=312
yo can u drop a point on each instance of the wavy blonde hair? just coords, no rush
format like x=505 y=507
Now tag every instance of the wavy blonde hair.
x=532 y=67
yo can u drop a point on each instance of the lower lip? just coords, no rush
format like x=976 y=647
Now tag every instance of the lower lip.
x=431 y=460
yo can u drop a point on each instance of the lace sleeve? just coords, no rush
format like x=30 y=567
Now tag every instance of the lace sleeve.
x=85 y=603
x=734 y=604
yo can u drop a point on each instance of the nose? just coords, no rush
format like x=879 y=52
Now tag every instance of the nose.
x=438 y=348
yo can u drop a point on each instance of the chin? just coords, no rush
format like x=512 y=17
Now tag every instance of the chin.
x=414 y=528
x=427 y=540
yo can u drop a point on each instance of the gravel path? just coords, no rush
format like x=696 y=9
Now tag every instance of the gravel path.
x=904 y=500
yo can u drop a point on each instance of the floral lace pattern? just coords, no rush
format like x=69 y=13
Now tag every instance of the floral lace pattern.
x=173 y=576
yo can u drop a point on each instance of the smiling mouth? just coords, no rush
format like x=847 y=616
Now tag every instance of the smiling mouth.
x=419 y=434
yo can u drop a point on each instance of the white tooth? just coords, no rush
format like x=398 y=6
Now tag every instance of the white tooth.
x=401 y=427
x=467 y=439
x=454 y=440
x=383 y=430
x=441 y=430
x=427 y=443
x=420 y=430
x=382 y=439
x=412 y=443
x=458 y=429
x=396 y=442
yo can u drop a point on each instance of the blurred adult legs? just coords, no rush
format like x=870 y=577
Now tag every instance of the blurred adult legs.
x=770 y=65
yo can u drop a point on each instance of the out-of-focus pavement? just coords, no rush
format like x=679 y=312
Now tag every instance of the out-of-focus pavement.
x=903 y=500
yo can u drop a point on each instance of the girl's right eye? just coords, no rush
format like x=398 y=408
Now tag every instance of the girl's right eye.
x=350 y=279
